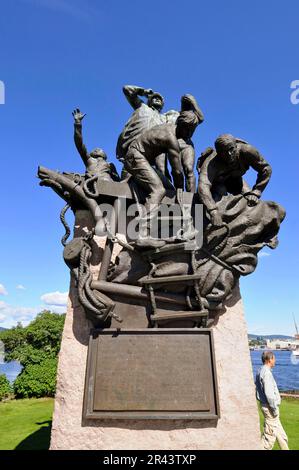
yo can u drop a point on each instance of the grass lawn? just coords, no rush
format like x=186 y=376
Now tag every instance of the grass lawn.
x=26 y=424
x=289 y=417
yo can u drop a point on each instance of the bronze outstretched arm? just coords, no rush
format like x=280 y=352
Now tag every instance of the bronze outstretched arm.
x=132 y=94
x=78 y=116
x=264 y=172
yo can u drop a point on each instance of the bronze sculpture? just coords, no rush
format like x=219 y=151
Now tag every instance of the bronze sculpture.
x=177 y=279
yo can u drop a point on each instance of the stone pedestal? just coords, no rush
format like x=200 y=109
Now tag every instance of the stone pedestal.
x=237 y=428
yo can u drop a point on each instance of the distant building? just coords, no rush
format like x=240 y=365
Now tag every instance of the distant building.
x=282 y=344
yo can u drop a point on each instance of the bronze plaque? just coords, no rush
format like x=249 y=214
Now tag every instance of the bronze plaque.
x=151 y=373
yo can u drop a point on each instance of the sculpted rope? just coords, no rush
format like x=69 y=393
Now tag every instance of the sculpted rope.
x=65 y=224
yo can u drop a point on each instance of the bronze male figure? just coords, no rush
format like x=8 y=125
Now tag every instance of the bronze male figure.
x=221 y=172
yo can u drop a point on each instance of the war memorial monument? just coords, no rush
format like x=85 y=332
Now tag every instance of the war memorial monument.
x=154 y=352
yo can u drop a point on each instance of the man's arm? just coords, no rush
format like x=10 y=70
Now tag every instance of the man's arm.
x=269 y=392
x=261 y=166
x=78 y=116
x=189 y=103
x=132 y=94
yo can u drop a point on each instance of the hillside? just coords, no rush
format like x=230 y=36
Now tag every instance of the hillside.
x=271 y=337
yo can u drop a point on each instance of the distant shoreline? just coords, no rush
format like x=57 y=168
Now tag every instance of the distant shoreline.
x=290 y=393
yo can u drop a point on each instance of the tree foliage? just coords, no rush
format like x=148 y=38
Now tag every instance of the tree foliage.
x=36 y=347
x=37 y=380
x=5 y=388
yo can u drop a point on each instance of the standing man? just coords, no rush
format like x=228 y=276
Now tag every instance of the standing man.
x=268 y=395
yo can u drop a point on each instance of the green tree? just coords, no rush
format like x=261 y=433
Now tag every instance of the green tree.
x=36 y=347
x=5 y=388
x=37 y=380
x=13 y=339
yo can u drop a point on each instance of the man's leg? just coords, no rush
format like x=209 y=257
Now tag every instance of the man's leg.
x=269 y=432
x=146 y=177
x=188 y=166
x=281 y=436
x=161 y=165
x=273 y=430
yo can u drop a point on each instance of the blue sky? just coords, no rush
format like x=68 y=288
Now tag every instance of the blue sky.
x=237 y=58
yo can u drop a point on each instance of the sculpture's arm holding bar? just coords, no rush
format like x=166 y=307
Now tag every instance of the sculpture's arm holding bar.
x=261 y=166
x=132 y=94
x=205 y=181
x=78 y=116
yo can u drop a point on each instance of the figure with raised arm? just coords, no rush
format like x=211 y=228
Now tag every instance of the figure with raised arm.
x=95 y=161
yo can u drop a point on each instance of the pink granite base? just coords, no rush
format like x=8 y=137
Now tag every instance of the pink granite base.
x=238 y=427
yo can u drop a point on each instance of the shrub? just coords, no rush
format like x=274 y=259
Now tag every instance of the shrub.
x=5 y=388
x=37 y=380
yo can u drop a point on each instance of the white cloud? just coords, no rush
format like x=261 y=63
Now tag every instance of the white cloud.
x=10 y=315
x=3 y=291
x=263 y=254
x=20 y=287
x=58 y=299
